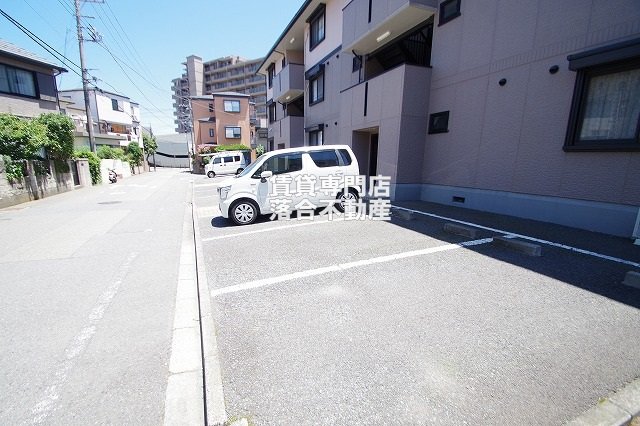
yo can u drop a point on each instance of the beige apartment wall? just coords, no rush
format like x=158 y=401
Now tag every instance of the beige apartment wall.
x=510 y=138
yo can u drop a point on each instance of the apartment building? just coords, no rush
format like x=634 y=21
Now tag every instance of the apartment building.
x=27 y=82
x=116 y=118
x=222 y=118
x=528 y=108
x=227 y=74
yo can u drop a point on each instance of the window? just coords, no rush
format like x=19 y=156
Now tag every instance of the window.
x=316 y=89
x=114 y=105
x=16 y=81
x=316 y=26
x=357 y=63
x=272 y=112
x=210 y=107
x=271 y=73
x=605 y=112
x=278 y=164
x=449 y=10
x=232 y=106
x=439 y=122
x=228 y=159
x=236 y=158
x=327 y=158
x=315 y=138
x=232 y=132
x=346 y=158
x=211 y=133
x=216 y=160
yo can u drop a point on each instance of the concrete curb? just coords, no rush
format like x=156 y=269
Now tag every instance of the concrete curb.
x=184 y=402
x=620 y=409
x=632 y=279
x=194 y=388
x=464 y=231
x=214 y=396
x=523 y=247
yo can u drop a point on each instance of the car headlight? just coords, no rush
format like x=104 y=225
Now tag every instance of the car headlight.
x=224 y=191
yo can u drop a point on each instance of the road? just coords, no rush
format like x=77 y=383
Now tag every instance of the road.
x=402 y=323
x=87 y=296
x=317 y=322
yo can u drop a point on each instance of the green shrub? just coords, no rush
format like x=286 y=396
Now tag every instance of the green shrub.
x=14 y=170
x=234 y=147
x=94 y=164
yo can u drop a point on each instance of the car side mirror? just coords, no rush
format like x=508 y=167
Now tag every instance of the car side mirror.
x=265 y=175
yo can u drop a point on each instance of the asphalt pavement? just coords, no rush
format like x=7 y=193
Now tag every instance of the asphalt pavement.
x=400 y=322
x=87 y=296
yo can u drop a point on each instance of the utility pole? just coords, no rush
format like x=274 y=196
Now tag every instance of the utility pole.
x=85 y=80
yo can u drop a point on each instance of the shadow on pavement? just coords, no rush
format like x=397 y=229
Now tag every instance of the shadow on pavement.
x=590 y=273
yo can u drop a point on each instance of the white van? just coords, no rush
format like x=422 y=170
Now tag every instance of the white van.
x=322 y=168
x=225 y=163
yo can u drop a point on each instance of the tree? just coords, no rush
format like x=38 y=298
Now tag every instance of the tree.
x=134 y=154
x=21 y=139
x=59 y=131
x=150 y=145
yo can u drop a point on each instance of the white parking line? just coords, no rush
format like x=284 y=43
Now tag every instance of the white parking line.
x=525 y=237
x=344 y=266
x=270 y=229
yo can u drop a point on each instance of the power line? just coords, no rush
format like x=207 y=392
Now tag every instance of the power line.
x=104 y=46
x=65 y=6
x=59 y=56
x=135 y=85
x=136 y=55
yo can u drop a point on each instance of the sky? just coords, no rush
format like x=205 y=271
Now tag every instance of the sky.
x=149 y=39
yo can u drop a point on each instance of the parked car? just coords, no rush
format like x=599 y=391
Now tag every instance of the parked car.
x=225 y=163
x=322 y=169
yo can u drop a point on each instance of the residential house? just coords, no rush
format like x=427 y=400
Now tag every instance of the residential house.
x=222 y=119
x=27 y=82
x=527 y=108
x=116 y=119
x=229 y=73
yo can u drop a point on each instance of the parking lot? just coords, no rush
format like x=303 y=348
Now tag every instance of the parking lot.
x=400 y=322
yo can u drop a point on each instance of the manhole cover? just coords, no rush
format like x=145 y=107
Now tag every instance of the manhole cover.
x=110 y=202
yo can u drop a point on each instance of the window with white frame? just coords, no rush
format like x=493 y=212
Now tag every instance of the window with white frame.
x=211 y=133
x=232 y=106
x=232 y=132
x=16 y=81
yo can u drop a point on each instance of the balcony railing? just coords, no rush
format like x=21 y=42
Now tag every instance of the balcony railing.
x=382 y=22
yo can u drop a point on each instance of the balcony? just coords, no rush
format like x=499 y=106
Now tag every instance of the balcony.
x=289 y=83
x=365 y=30
x=397 y=94
x=289 y=131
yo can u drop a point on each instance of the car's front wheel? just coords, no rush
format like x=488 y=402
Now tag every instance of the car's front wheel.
x=244 y=212
x=211 y=174
x=351 y=196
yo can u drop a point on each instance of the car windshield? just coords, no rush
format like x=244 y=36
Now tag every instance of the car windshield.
x=250 y=168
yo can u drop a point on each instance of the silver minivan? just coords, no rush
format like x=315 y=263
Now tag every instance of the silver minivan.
x=226 y=163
